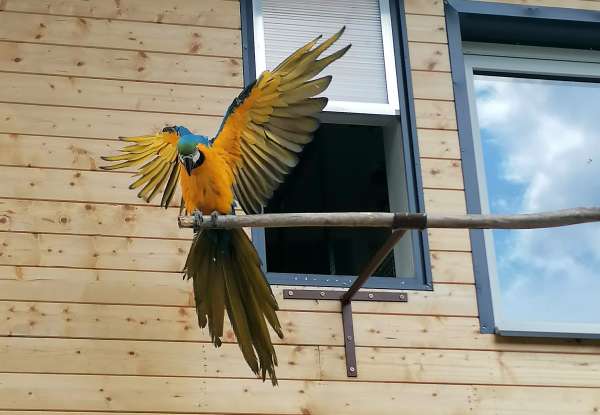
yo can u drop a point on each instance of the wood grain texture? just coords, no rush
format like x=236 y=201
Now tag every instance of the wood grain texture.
x=220 y=13
x=150 y=323
x=70 y=185
x=115 y=34
x=437 y=115
x=93 y=123
x=29 y=249
x=120 y=64
x=465 y=367
x=429 y=56
x=54 y=152
x=432 y=85
x=92 y=252
x=168 y=289
x=445 y=201
x=430 y=7
x=94 y=286
x=442 y=332
x=431 y=29
x=35 y=319
x=439 y=144
x=114 y=94
x=451 y=267
x=442 y=174
x=144 y=358
x=449 y=239
x=119 y=393
x=26 y=412
x=38 y=216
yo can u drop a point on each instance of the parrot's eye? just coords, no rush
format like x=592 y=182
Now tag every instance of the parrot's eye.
x=169 y=130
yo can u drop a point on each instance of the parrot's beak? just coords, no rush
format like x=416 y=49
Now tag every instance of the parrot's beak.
x=188 y=163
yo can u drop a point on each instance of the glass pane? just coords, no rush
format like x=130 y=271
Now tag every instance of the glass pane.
x=540 y=144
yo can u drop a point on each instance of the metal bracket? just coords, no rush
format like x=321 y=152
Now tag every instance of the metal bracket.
x=347 y=321
x=346 y=297
x=311 y=294
x=349 y=343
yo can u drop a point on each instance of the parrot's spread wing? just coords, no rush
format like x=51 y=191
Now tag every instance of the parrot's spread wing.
x=156 y=156
x=271 y=121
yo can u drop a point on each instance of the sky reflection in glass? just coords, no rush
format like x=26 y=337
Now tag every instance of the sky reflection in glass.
x=541 y=150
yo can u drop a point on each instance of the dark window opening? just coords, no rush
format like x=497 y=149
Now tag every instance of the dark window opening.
x=342 y=170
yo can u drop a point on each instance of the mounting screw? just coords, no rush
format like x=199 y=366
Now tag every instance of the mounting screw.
x=349 y=338
x=322 y=293
x=352 y=369
x=371 y=295
x=290 y=292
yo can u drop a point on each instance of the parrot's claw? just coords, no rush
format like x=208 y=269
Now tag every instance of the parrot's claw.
x=197 y=220
x=213 y=218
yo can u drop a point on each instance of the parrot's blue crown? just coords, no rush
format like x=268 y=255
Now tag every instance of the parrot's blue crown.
x=182 y=130
x=188 y=142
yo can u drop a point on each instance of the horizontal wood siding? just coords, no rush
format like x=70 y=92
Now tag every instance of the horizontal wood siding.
x=94 y=315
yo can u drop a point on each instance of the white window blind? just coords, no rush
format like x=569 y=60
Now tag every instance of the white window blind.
x=362 y=82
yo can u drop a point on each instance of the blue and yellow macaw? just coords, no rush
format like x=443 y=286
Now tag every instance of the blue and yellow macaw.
x=264 y=129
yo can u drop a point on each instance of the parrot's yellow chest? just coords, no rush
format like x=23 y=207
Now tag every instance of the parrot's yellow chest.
x=209 y=187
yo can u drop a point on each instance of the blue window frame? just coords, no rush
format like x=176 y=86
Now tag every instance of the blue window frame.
x=556 y=41
x=416 y=244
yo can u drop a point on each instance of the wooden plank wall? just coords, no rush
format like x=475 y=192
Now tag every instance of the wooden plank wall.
x=94 y=317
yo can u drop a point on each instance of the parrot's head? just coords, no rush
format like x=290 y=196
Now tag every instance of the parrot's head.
x=189 y=155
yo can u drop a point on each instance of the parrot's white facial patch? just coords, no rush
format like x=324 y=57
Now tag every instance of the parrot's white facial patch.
x=192 y=161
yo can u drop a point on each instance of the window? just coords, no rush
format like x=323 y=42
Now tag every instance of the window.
x=534 y=113
x=536 y=68
x=343 y=170
x=362 y=157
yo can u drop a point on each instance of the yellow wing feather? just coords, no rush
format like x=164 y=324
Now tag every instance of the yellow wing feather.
x=155 y=157
x=272 y=120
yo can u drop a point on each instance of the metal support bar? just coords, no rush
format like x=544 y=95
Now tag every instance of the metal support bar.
x=311 y=294
x=349 y=343
x=373 y=264
x=352 y=293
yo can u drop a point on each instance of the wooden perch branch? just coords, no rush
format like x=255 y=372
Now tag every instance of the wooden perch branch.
x=399 y=223
x=399 y=220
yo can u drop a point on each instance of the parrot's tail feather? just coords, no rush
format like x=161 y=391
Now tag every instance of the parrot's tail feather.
x=225 y=270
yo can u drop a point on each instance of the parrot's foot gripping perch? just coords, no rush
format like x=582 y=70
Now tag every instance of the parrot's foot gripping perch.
x=214 y=216
x=198 y=219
